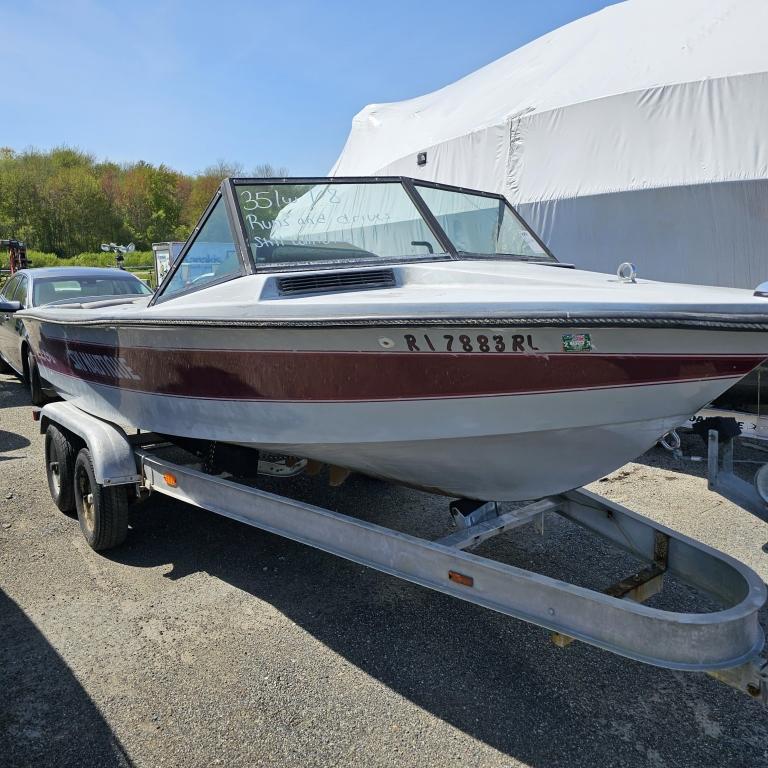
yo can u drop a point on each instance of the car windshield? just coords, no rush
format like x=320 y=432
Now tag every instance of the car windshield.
x=72 y=288
x=288 y=224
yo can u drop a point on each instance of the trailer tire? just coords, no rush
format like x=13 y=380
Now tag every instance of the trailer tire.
x=60 y=455
x=33 y=379
x=101 y=510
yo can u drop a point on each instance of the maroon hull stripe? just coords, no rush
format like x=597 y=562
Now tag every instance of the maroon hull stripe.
x=355 y=376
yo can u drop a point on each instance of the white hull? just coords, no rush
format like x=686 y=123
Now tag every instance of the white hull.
x=500 y=448
x=433 y=383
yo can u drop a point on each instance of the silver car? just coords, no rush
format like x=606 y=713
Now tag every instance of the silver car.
x=36 y=287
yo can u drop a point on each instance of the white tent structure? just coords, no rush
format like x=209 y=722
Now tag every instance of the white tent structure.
x=639 y=133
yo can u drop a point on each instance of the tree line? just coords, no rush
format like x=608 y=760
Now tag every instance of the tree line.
x=65 y=202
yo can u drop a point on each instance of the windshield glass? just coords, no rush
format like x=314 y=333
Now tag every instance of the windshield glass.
x=211 y=258
x=477 y=224
x=48 y=289
x=290 y=223
x=322 y=222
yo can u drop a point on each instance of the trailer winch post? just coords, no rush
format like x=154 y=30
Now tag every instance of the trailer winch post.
x=723 y=480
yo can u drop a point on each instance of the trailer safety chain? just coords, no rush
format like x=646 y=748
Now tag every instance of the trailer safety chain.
x=209 y=464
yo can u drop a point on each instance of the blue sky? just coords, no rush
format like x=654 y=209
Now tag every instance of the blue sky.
x=191 y=83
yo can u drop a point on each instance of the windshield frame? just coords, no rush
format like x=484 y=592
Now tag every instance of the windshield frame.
x=227 y=194
x=224 y=196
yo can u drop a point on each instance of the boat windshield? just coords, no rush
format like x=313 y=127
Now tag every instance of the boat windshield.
x=481 y=225
x=341 y=221
x=305 y=223
x=293 y=223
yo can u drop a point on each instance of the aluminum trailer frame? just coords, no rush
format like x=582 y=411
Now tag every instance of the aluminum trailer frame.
x=725 y=644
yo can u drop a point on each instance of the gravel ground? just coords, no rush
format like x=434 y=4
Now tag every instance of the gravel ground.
x=205 y=642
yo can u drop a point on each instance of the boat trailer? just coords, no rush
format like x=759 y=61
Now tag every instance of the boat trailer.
x=725 y=643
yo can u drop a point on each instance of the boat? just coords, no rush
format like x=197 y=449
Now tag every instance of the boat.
x=405 y=329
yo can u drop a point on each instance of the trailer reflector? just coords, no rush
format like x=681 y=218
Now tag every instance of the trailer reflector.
x=460 y=578
x=170 y=479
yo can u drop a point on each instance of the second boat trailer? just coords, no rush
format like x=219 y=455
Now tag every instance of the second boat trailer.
x=98 y=468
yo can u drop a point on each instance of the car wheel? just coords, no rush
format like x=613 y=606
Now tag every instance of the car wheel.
x=33 y=379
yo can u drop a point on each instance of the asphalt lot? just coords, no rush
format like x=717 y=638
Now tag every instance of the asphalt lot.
x=205 y=642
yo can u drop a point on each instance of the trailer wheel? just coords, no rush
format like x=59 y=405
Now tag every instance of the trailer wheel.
x=101 y=510
x=60 y=454
x=33 y=379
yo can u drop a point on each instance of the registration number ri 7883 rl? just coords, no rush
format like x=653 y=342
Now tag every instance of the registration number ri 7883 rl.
x=469 y=342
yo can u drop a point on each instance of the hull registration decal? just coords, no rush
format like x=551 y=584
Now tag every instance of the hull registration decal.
x=577 y=342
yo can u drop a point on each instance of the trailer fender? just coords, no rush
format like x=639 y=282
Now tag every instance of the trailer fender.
x=114 y=459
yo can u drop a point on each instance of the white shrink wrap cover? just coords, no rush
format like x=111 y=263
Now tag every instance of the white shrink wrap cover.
x=639 y=133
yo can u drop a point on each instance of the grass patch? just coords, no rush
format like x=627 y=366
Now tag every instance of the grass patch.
x=139 y=263
x=135 y=260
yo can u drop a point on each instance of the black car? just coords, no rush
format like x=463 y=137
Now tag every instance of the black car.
x=36 y=287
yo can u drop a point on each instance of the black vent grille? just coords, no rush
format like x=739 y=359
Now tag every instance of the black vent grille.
x=332 y=282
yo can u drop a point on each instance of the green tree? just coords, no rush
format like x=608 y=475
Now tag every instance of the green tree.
x=64 y=202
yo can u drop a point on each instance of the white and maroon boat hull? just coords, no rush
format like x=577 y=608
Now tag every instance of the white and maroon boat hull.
x=502 y=413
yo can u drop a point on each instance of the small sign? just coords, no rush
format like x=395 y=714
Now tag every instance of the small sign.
x=577 y=342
